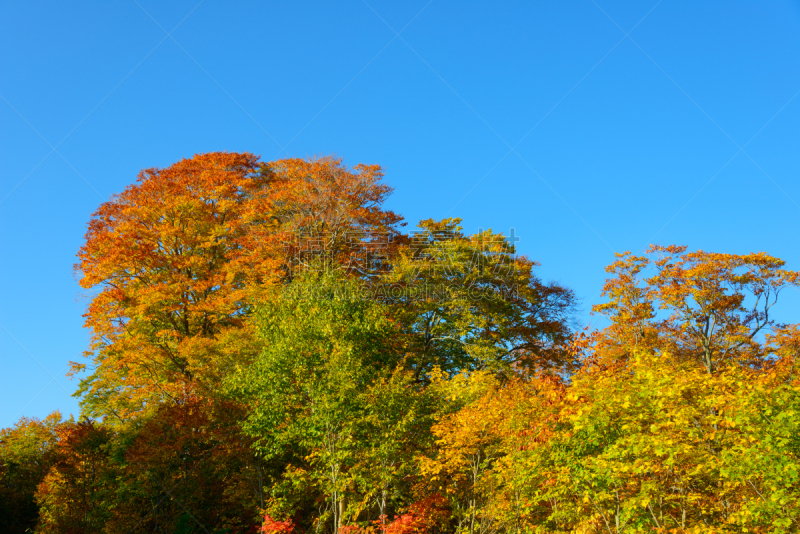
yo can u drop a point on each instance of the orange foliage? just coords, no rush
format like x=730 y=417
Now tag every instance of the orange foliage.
x=72 y=494
x=180 y=256
x=700 y=305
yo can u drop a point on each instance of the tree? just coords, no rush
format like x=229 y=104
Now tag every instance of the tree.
x=266 y=343
x=73 y=496
x=394 y=430
x=179 y=258
x=186 y=467
x=306 y=390
x=466 y=448
x=26 y=455
x=762 y=466
x=467 y=302
x=644 y=436
x=158 y=252
x=713 y=305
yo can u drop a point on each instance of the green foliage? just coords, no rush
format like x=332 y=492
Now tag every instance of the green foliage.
x=326 y=350
x=469 y=302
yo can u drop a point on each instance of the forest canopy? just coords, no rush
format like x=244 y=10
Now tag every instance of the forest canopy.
x=273 y=351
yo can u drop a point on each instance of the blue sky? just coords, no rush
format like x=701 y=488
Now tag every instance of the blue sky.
x=588 y=127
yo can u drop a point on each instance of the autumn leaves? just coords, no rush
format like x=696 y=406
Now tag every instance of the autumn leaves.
x=237 y=371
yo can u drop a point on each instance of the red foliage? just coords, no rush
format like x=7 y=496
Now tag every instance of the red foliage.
x=406 y=524
x=422 y=517
x=282 y=527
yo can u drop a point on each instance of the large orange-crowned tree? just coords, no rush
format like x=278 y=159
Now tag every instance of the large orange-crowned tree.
x=177 y=259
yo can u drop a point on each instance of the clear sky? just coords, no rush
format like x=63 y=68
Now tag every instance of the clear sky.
x=588 y=127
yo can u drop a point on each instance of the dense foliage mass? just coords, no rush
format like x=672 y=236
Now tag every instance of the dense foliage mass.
x=271 y=352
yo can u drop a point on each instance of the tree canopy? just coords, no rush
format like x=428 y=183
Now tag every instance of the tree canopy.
x=272 y=351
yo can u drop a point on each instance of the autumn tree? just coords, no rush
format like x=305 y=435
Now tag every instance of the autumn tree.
x=710 y=307
x=470 y=302
x=27 y=451
x=158 y=252
x=465 y=448
x=492 y=441
x=645 y=436
x=74 y=495
x=186 y=466
x=177 y=258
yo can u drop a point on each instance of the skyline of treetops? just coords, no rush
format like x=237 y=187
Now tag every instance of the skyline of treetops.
x=273 y=350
